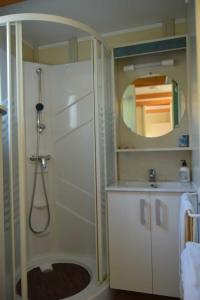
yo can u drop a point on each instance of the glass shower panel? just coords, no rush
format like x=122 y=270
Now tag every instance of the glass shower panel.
x=108 y=117
x=109 y=146
x=99 y=158
x=104 y=142
x=101 y=92
x=19 y=158
x=8 y=94
x=2 y=217
x=14 y=162
x=8 y=259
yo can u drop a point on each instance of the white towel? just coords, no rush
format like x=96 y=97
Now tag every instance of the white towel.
x=192 y=255
x=190 y=271
x=185 y=205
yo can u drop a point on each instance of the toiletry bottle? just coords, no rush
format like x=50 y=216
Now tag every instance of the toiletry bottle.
x=184 y=172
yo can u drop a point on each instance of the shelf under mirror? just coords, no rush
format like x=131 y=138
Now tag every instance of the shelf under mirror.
x=154 y=149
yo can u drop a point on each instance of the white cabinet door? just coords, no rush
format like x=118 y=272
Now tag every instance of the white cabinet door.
x=165 y=243
x=130 y=241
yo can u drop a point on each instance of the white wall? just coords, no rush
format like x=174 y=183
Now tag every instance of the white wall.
x=68 y=114
x=71 y=89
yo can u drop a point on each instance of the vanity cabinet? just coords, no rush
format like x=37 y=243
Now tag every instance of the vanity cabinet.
x=144 y=242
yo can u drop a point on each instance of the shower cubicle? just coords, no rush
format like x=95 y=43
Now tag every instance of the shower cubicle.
x=56 y=157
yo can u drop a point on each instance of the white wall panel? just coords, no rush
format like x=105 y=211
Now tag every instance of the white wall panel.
x=68 y=115
x=71 y=82
x=71 y=93
x=73 y=117
x=75 y=236
x=79 y=201
x=74 y=158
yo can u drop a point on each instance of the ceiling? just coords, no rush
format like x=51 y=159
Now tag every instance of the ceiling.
x=102 y=15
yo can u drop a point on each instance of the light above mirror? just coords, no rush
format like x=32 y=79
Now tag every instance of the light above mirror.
x=164 y=62
x=152 y=105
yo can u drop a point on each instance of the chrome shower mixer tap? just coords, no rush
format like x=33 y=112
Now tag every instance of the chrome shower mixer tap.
x=43 y=159
x=152 y=175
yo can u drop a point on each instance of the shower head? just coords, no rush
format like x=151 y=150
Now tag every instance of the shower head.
x=39 y=106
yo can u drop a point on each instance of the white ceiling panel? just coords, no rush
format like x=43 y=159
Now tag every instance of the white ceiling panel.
x=102 y=15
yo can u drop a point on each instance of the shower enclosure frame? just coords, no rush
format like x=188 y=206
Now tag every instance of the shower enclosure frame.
x=3 y=111
x=99 y=103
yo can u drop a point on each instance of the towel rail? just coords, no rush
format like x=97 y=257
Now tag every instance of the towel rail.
x=191 y=215
x=191 y=222
x=190 y=225
x=193 y=194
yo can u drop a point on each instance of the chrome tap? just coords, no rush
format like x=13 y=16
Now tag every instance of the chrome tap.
x=43 y=159
x=43 y=162
x=152 y=175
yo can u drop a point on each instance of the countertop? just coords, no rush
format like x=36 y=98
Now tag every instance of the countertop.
x=167 y=186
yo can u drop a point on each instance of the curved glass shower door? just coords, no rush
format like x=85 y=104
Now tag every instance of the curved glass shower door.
x=10 y=96
x=2 y=225
x=6 y=262
x=104 y=150
x=78 y=117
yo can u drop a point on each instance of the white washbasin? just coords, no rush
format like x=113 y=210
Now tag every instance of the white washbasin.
x=159 y=186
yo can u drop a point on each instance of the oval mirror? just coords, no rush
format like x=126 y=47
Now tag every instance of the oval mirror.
x=152 y=105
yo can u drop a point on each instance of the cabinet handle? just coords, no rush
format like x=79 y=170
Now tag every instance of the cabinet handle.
x=158 y=212
x=142 y=211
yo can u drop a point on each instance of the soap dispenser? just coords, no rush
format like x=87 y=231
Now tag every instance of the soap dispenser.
x=184 y=172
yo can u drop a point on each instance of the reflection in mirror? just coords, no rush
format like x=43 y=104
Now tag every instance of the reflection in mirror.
x=152 y=105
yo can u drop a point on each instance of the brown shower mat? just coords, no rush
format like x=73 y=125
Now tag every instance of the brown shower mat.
x=65 y=280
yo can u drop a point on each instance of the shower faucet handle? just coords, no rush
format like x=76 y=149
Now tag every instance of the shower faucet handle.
x=40 y=157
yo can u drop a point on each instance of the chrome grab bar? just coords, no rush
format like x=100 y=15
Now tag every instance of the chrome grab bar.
x=190 y=223
x=191 y=215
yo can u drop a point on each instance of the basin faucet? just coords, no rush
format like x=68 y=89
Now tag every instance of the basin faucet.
x=152 y=175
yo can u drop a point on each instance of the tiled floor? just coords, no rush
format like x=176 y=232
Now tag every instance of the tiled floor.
x=123 y=295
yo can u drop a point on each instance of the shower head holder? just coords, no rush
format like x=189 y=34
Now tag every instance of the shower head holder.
x=40 y=127
x=39 y=70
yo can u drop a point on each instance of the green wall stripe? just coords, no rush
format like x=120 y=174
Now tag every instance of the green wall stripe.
x=175 y=103
x=151 y=47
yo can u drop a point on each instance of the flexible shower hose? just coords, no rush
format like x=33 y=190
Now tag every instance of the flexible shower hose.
x=34 y=190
